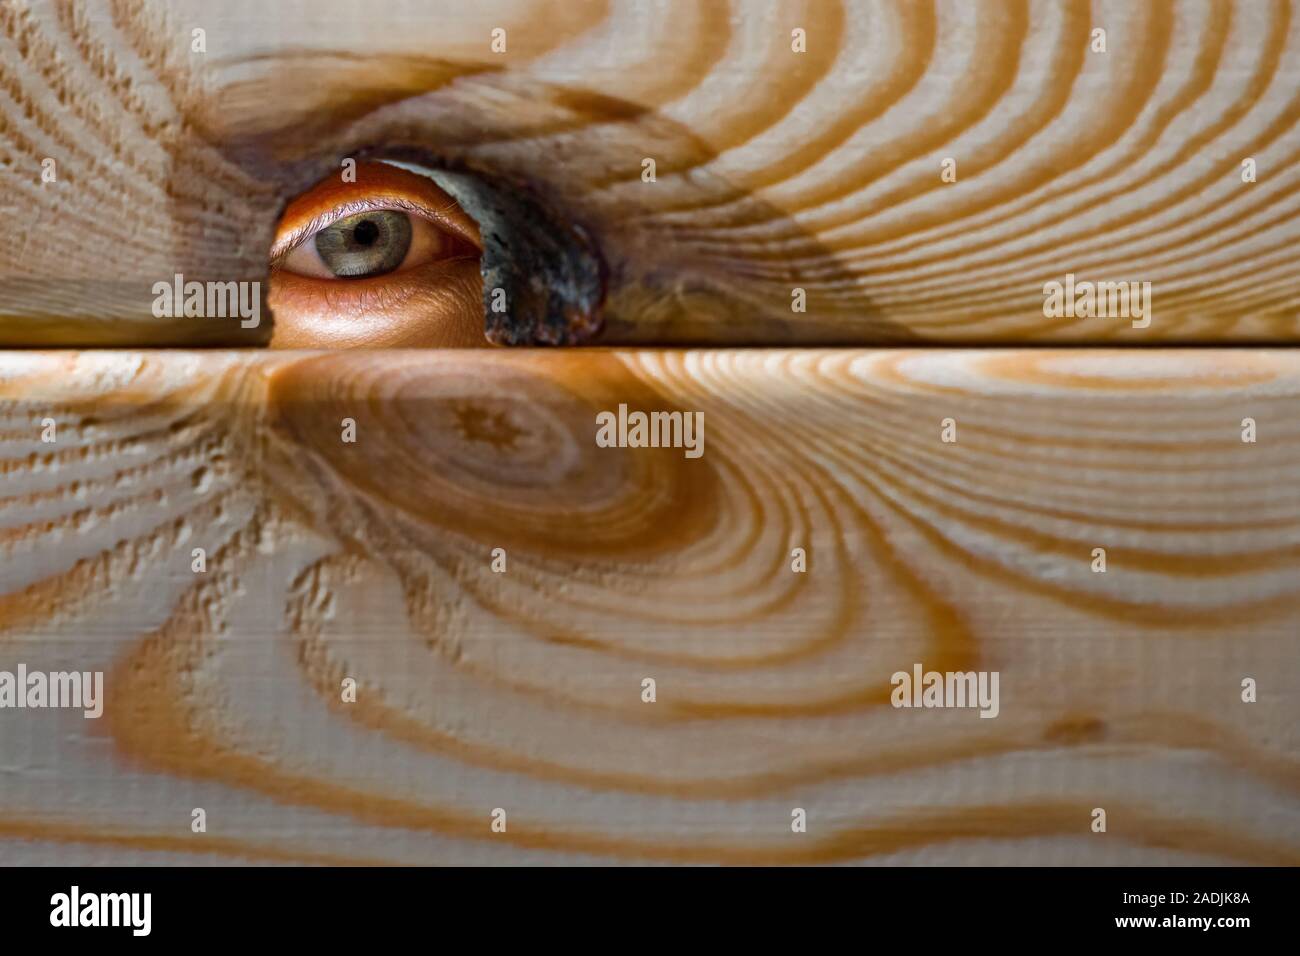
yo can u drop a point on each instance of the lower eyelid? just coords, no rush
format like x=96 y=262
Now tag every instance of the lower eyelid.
x=437 y=304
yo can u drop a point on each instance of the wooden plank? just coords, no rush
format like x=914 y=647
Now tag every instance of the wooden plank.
x=776 y=170
x=522 y=689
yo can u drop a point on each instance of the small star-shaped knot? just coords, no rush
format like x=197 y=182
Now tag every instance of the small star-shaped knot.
x=494 y=428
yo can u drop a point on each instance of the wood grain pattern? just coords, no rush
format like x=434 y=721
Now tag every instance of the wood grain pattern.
x=775 y=169
x=522 y=690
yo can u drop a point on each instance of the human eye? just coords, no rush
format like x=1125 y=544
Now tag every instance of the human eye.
x=384 y=257
x=400 y=255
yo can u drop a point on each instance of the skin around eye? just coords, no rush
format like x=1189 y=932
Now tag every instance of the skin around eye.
x=389 y=260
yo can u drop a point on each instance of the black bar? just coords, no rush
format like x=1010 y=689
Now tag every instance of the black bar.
x=467 y=906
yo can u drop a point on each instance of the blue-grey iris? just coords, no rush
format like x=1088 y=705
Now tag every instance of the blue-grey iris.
x=364 y=245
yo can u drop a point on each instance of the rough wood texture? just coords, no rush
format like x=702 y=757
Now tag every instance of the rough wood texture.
x=522 y=690
x=775 y=169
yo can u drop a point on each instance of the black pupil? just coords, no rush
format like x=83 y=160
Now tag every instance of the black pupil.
x=365 y=233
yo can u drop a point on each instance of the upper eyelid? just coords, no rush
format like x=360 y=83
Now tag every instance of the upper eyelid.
x=296 y=237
